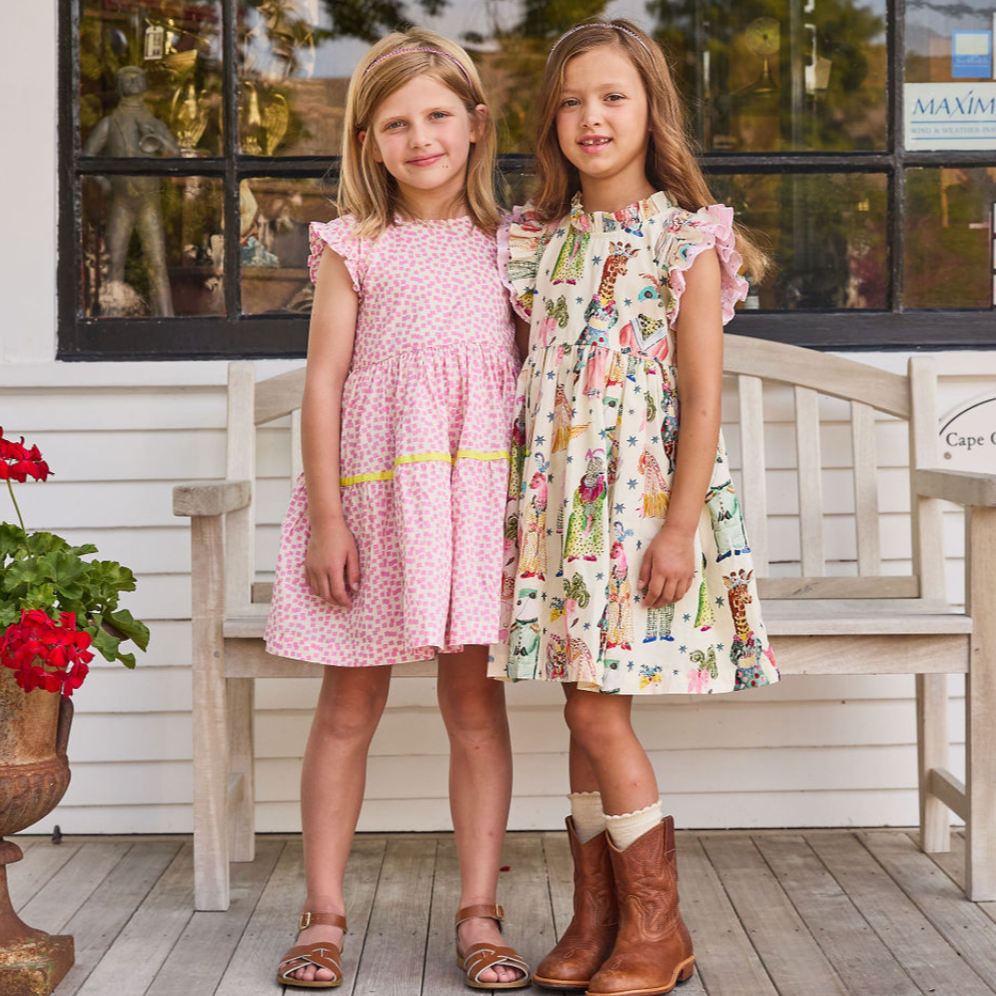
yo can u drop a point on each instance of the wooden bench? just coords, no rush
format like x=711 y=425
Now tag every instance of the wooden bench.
x=865 y=623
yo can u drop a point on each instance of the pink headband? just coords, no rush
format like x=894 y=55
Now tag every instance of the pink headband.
x=598 y=24
x=433 y=51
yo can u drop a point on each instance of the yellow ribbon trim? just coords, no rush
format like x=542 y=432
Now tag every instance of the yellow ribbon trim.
x=387 y=475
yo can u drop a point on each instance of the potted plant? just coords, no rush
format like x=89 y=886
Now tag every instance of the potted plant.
x=56 y=609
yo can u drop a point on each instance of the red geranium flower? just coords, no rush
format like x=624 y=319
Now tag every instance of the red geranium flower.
x=18 y=463
x=46 y=654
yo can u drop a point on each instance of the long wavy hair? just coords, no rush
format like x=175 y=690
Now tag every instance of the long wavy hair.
x=671 y=164
x=366 y=189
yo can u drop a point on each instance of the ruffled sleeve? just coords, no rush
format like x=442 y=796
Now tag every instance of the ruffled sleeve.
x=689 y=234
x=521 y=241
x=337 y=235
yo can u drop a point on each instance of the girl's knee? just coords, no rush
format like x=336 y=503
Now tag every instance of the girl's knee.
x=475 y=717
x=349 y=710
x=592 y=717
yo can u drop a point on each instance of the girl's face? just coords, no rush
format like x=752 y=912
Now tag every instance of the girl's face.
x=603 y=123
x=422 y=133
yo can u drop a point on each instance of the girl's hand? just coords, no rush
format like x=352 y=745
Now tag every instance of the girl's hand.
x=668 y=568
x=332 y=565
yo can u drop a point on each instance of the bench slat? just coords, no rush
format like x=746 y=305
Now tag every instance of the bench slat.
x=902 y=653
x=809 y=464
x=753 y=483
x=865 y=466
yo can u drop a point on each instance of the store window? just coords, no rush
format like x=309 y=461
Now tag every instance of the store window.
x=204 y=133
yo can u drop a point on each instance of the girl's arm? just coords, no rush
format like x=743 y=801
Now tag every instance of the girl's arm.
x=669 y=563
x=332 y=566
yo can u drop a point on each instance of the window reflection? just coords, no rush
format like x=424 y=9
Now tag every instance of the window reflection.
x=152 y=246
x=175 y=49
x=825 y=232
x=274 y=241
x=788 y=75
x=949 y=238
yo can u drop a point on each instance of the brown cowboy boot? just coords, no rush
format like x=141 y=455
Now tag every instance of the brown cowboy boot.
x=653 y=951
x=589 y=937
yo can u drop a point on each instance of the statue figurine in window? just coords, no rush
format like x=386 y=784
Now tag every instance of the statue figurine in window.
x=131 y=130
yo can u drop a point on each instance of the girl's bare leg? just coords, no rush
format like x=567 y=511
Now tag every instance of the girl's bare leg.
x=601 y=728
x=582 y=774
x=332 y=782
x=473 y=709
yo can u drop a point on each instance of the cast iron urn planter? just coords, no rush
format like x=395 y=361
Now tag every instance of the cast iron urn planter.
x=34 y=776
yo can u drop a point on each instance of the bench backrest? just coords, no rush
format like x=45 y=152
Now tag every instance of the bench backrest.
x=760 y=374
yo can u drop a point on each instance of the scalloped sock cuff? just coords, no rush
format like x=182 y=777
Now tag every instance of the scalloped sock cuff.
x=630 y=827
x=586 y=814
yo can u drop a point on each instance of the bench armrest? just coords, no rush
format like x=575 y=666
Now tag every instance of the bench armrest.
x=959 y=486
x=210 y=497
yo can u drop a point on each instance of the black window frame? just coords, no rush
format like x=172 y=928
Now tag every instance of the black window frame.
x=235 y=335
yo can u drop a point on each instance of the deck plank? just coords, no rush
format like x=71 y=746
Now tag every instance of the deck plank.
x=144 y=944
x=726 y=960
x=55 y=904
x=560 y=879
x=99 y=921
x=953 y=864
x=272 y=928
x=394 y=950
x=863 y=962
x=204 y=949
x=530 y=928
x=441 y=975
x=798 y=968
x=965 y=927
x=25 y=878
x=906 y=932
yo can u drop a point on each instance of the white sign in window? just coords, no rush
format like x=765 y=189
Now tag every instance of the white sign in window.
x=949 y=116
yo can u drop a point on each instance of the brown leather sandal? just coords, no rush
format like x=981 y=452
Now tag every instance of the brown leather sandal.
x=321 y=955
x=481 y=957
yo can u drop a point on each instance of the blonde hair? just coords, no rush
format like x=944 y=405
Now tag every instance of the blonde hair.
x=366 y=189
x=671 y=164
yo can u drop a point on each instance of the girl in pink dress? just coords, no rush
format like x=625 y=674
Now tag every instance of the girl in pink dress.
x=391 y=549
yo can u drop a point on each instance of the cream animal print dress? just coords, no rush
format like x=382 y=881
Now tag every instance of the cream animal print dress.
x=593 y=456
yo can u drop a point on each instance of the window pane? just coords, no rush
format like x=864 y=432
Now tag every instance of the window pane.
x=826 y=235
x=275 y=217
x=949 y=238
x=152 y=246
x=936 y=54
x=150 y=78
x=783 y=76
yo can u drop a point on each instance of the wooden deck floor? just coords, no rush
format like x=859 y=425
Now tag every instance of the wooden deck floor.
x=818 y=913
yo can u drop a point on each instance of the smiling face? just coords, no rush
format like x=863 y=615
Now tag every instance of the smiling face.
x=603 y=126
x=422 y=133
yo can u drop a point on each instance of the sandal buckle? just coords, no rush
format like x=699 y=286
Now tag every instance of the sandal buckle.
x=304 y=922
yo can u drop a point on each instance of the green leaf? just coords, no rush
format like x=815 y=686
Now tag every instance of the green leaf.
x=41 y=543
x=65 y=571
x=128 y=660
x=12 y=541
x=104 y=642
x=133 y=628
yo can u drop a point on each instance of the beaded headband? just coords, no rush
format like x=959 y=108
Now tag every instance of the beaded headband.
x=433 y=51
x=598 y=24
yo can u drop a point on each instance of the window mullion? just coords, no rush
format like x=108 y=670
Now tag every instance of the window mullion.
x=233 y=219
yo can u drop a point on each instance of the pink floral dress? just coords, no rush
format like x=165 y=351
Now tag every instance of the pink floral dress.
x=593 y=457
x=426 y=417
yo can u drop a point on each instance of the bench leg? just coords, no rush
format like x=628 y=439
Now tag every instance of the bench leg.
x=980 y=708
x=932 y=753
x=241 y=815
x=210 y=739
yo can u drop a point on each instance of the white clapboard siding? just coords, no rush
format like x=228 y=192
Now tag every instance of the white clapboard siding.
x=807 y=752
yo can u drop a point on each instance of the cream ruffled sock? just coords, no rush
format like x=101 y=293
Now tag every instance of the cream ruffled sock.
x=586 y=814
x=630 y=827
